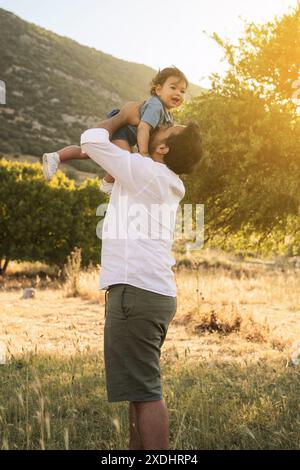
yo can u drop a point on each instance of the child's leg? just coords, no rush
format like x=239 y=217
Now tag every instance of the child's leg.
x=72 y=152
x=123 y=144
x=52 y=160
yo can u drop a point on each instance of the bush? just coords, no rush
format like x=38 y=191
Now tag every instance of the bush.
x=44 y=222
x=72 y=273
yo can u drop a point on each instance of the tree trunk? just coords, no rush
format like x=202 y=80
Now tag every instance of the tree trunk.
x=4 y=267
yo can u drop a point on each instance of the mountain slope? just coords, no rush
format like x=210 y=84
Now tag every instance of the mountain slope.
x=57 y=87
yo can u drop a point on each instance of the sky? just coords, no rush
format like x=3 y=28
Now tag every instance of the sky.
x=158 y=33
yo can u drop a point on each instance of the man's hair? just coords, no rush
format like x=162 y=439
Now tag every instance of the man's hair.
x=185 y=150
x=164 y=74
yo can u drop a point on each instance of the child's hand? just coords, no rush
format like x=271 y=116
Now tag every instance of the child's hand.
x=131 y=113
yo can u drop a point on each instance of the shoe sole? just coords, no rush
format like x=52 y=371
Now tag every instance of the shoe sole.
x=45 y=167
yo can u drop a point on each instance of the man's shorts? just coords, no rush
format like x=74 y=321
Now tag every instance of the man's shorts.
x=136 y=324
x=127 y=133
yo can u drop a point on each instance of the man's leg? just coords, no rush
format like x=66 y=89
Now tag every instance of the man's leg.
x=135 y=442
x=153 y=424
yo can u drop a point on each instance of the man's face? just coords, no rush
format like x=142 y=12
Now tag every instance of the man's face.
x=160 y=136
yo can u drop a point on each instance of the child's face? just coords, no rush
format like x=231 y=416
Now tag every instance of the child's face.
x=172 y=92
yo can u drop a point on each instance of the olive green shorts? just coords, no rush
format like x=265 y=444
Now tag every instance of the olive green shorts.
x=136 y=324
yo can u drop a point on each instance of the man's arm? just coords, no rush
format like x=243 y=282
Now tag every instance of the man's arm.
x=131 y=170
x=129 y=114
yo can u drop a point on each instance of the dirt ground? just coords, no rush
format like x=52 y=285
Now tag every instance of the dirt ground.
x=53 y=323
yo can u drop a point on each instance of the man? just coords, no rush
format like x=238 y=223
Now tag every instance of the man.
x=136 y=264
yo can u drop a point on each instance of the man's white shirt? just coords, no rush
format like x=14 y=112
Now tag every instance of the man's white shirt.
x=139 y=224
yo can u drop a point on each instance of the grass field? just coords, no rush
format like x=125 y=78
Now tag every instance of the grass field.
x=229 y=381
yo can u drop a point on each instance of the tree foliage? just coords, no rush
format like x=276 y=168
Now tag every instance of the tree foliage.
x=44 y=222
x=266 y=59
x=249 y=177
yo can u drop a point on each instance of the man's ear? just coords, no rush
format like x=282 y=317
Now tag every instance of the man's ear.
x=162 y=149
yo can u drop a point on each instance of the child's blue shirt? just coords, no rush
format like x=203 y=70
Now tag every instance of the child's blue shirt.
x=154 y=113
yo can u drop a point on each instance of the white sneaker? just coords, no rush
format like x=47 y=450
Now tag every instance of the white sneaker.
x=50 y=164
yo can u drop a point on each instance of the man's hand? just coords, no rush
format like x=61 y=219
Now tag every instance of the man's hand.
x=130 y=113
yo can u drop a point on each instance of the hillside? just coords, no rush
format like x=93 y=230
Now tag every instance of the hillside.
x=56 y=87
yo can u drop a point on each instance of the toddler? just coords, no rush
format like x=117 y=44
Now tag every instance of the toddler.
x=167 y=92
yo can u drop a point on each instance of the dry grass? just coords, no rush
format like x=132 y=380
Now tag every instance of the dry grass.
x=225 y=356
x=223 y=302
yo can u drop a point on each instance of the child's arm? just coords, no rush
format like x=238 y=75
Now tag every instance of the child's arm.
x=150 y=118
x=131 y=170
x=143 y=137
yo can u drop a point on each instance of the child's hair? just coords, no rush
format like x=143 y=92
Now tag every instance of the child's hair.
x=164 y=74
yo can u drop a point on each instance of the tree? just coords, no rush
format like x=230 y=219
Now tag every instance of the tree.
x=266 y=59
x=44 y=222
x=248 y=179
